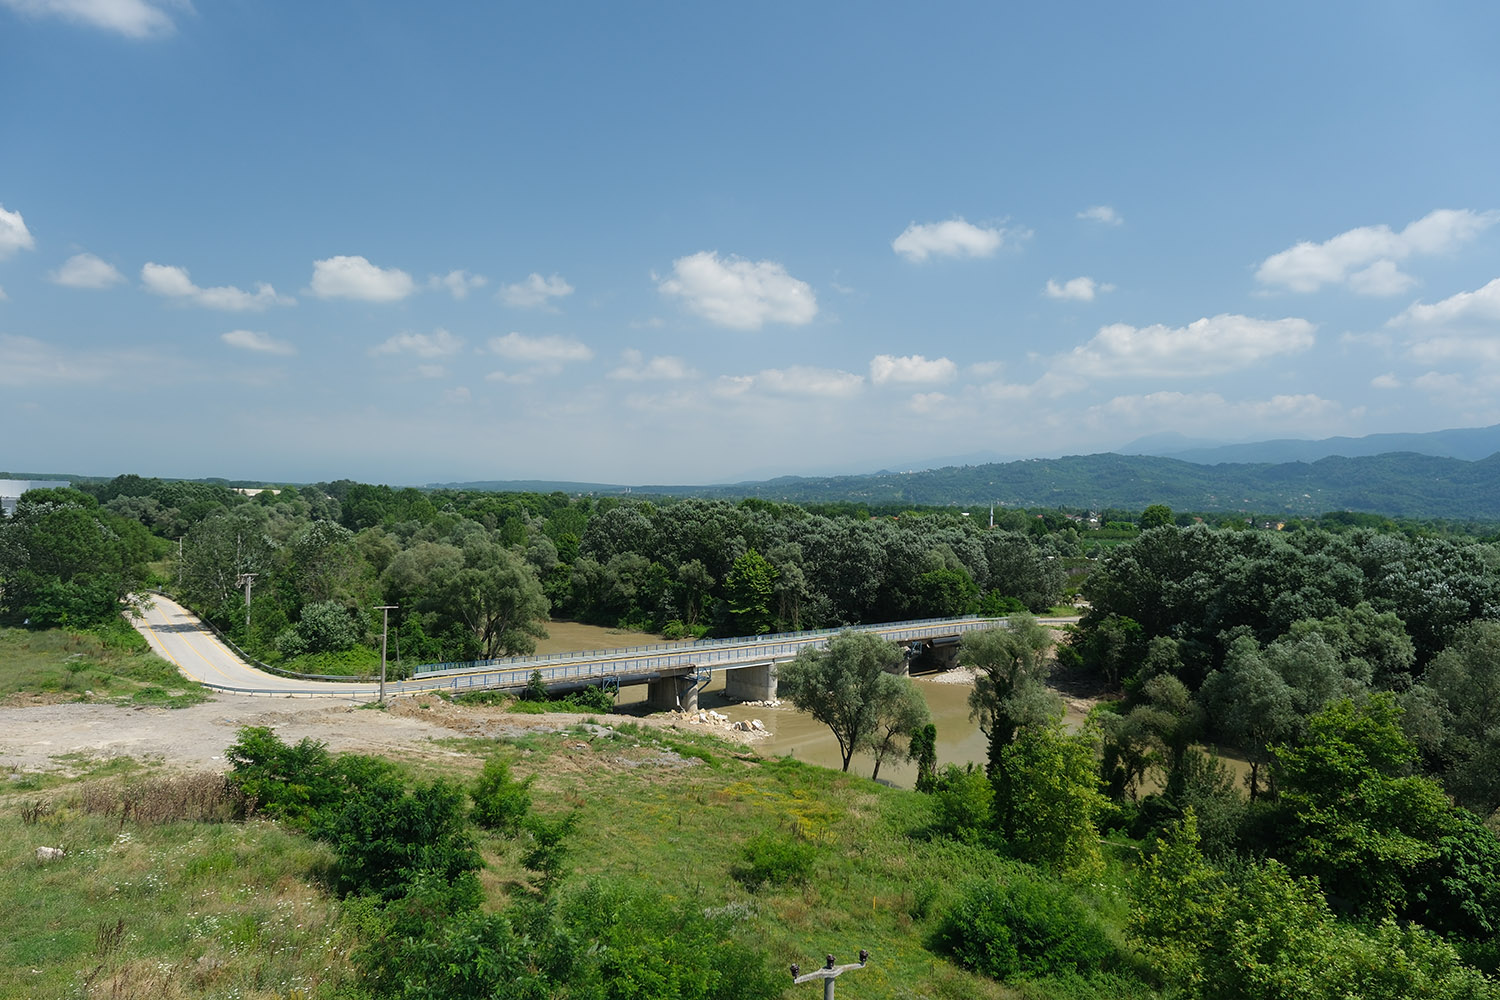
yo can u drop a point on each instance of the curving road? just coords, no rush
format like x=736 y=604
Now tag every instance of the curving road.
x=177 y=634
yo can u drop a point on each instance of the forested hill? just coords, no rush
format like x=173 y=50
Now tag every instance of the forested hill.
x=1400 y=484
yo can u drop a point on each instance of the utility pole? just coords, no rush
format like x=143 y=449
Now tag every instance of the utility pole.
x=247 y=579
x=829 y=973
x=179 y=561
x=385 y=625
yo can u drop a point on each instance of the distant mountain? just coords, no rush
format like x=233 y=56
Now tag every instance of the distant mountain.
x=1470 y=444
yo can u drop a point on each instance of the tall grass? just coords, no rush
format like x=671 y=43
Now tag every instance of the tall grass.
x=113 y=663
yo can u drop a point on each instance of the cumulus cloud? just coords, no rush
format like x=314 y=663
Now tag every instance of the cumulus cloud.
x=909 y=370
x=1386 y=381
x=1209 y=346
x=356 y=278
x=1476 y=308
x=1463 y=328
x=738 y=293
x=535 y=291
x=458 y=283
x=1076 y=289
x=1365 y=258
x=261 y=343
x=175 y=283
x=131 y=18
x=13 y=233
x=928 y=402
x=798 y=380
x=84 y=270
x=1101 y=213
x=547 y=350
x=953 y=238
x=437 y=344
x=635 y=368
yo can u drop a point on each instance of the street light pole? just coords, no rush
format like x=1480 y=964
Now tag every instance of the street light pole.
x=247 y=579
x=829 y=973
x=385 y=625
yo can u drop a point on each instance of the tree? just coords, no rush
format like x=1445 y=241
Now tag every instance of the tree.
x=1158 y=515
x=840 y=686
x=921 y=749
x=1047 y=797
x=900 y=709
x=1251 y=705
x=1348 y=815
x=750 y=590
x=1464 y=680
x=497 y=595
x=1011 y=664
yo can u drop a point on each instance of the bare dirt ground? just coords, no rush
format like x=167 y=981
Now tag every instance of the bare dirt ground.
x=69 y=738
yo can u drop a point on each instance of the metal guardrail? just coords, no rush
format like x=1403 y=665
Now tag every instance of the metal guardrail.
x=728 y=656
x=904 y=628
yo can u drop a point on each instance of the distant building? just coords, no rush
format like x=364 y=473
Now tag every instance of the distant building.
x=11 y=490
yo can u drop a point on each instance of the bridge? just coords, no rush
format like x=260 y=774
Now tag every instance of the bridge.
x=675 y=672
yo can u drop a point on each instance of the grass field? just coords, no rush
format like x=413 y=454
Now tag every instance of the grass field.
x=152 y=905
x=115 y=665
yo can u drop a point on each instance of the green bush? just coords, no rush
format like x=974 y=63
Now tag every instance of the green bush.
x=963 y=803
x=385 y=836
x=500 y=802
x=1023 y=929
x=769 y=859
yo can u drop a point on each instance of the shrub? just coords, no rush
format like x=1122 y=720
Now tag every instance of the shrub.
x=963 y=803
x=500 y=802
x=1025 y=928
x=385 y=836
x=770 y=859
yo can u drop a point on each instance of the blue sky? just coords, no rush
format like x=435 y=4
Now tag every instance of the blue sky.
x=679 y=243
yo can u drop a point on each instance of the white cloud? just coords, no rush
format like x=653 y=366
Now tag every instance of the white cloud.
x=458 y=283
x=511 y=378
x=356 y=278
x=1481 y=308
x=1211 y=410
x=928 y=402
x=174 y=283
x=458 y=395
x=1386 y=381
x=1209 y=346
x=798 y=380
x=635 y=368
x=3 y=296
x=1366 y=257
x=84 y=270
x=437 y=344
x=261 y=343
x=548 y=350
x=912 y=369
x=131 y=18
x=738 y=293
x=13 y=233
x=953 y=238
x=1076 y=289
x=535 y=291
x=431 y=371
x=1101 y=213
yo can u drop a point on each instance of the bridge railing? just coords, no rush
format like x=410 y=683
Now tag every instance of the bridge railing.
x=902 y=630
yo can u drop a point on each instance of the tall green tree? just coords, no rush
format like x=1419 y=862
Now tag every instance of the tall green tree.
x=1047 y=798
x=750 y=592
x=900 y=710
x=1011 y=665
x=841 y=686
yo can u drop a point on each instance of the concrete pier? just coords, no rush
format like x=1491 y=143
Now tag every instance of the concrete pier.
x=677 y=692
x=751 y=683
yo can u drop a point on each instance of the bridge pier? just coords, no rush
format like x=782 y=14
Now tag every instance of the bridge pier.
x=751 y=683
x=669 y=694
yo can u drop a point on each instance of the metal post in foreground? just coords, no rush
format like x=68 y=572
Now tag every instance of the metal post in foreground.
x=385 y=624
x=829 y=973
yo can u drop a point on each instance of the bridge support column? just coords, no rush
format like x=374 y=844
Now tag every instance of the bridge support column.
x=672 y=693
x=751 y=683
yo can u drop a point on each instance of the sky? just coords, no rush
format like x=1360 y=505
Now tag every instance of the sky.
x=685 y=243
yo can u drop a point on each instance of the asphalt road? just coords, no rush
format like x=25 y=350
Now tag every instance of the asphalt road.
x=177 y=634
